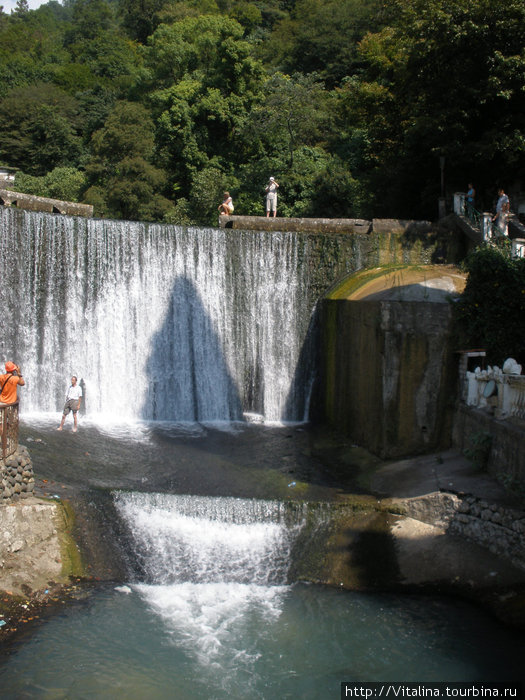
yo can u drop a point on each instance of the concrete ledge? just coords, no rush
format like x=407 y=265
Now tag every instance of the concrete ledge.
x=32 y=203
x=400 y=226
x=263 y=223
x=318 y=225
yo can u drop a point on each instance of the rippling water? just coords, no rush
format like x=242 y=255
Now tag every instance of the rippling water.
x=238 y=641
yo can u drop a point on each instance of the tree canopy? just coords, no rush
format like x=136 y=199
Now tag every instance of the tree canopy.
x=150 y=109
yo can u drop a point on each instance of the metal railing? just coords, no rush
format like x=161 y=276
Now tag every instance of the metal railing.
x=9 y=428
x=478 y=220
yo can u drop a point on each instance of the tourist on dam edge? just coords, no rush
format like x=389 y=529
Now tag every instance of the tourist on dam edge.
x=9 y=383
x=271 y=196
x=73 y=400
x=226 y=207
x=502 y=212
x=471 y=197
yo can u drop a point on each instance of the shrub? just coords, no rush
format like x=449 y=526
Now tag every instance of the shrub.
x=490 y=313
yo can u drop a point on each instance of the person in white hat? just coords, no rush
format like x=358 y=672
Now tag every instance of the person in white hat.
x=271 y=196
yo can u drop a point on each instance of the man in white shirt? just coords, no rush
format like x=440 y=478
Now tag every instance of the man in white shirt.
x=73 y=399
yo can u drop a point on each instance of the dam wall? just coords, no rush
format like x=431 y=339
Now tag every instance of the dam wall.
x=175 y=323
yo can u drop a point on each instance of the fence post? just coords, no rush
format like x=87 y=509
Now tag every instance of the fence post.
x=486 y=226
x=459 y=203
x=9 y=428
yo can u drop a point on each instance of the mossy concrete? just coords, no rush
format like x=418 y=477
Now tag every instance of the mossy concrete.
x=388 y=370
x=37 y=549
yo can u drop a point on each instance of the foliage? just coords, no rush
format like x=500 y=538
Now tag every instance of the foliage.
x=39 y=129
x=479 y=450
x=63 y=183
x=491 y=311
x=453 y=70
x=292 y=113
x=321 y=36
x=349 y=103
x=124 y=182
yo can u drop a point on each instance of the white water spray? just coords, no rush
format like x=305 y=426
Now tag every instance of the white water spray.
x=160 y=322
x=213 y=565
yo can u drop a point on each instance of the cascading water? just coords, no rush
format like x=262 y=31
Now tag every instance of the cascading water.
x=211 y=612
x=200 y=539
x=211 y=564
x=161 y=322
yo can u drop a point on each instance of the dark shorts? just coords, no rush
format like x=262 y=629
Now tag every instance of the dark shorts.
x=71 y=405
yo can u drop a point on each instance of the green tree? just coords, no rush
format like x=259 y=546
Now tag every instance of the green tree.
x=63 y=183
x=31 y=47
x=491 y=310
x=123 y=180
x=90 y=19
x=247 y=14
x=21 y=9
x=38 y=129
x=321 y=36
x=140 y=17
x=452 y=71
x=292 y=114
x=205 y=83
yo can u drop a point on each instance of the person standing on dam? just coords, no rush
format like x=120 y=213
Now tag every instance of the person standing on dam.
x=271 y=196
x=502 y=212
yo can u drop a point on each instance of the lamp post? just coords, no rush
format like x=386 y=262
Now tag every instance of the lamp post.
x=441 y=207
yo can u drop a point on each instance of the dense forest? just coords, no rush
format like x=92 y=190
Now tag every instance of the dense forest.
x=150 y=109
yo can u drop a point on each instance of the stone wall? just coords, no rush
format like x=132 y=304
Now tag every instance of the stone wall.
x=495 y=526
x=499 y=529
x=16 y=475
x=497 y=445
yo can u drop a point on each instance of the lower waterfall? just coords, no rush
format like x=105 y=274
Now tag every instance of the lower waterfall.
x=159 y=322
x=200 y=539
x=210 y=564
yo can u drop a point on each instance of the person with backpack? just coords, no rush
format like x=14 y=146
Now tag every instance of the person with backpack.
x=9 y=383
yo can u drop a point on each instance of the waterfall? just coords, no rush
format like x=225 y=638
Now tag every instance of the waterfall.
x=213 y=566
x=160 y=322
x=201 y=540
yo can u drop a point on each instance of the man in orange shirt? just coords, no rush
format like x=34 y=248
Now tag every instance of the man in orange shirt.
x=9 y=382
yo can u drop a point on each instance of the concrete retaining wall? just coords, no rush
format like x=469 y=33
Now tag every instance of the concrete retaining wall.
x=389 y=378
